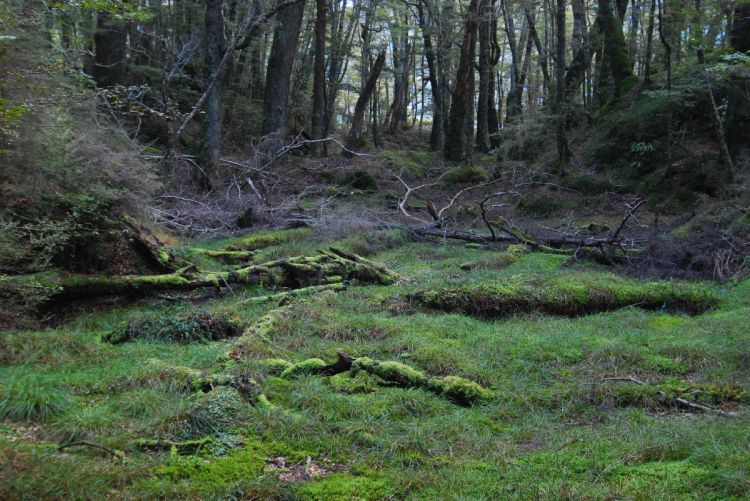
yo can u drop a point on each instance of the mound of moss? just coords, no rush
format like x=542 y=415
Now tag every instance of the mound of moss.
x=565 y=295
x=180 y=329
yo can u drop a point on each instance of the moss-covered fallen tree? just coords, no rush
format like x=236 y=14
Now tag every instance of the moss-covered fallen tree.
x=457 y=389
x=329 y=266
x=564 y=295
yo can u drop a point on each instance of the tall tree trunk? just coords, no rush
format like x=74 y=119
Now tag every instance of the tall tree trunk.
x=397 y=111
x=485 y=73
x=635 y=20
x=213 y=52
x=355 y=132
x=664 y=37
x=436 y=132
x=319 y=74
x=278 y=73
x=739 y=37
x=463 y=91
x=493 y=121
x=538 y=44
x=560 y=85
x=513 y=107
x=109 y=50
x=649 y=44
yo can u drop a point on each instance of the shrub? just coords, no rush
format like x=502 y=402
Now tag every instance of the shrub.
x=181 y=329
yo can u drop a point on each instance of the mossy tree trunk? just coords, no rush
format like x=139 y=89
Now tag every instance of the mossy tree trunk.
x=615 y=48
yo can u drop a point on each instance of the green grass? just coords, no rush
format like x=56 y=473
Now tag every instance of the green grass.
x=554 y=426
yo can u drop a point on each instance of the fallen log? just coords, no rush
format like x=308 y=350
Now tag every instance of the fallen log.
x=456 y=389
x=330 y=266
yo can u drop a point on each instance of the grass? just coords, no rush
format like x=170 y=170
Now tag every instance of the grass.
x=552 y=427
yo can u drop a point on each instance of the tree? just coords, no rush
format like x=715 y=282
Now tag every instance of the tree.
x=463 y=90
x=213 y=53
x=279 y=70
x=109 y=49
x=319 y=74
x=355 y=132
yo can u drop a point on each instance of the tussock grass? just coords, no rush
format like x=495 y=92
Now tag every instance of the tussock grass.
x=28 y=396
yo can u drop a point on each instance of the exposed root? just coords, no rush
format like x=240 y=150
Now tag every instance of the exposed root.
x=282 y=297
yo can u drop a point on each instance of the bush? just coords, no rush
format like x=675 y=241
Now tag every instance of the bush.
x=180 y=329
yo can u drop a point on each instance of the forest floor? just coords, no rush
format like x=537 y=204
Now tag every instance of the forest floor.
x=637 y=390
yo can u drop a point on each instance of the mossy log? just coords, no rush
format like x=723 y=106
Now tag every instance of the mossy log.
x=148 y=246
x=457 y=389
x=563 y=296
x=260 y=329
x=331 y=265
x=280 y=297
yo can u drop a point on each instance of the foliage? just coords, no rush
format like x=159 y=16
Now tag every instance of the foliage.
x=26 y=395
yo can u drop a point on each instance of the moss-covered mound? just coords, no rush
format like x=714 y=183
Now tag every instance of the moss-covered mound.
x=564 y=295
x=180 y=329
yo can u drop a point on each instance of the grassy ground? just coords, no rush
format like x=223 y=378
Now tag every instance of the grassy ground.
x=556 y=427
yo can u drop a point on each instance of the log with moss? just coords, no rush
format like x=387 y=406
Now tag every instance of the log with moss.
x=564 y=295
x=456 y=389
x=329 y=266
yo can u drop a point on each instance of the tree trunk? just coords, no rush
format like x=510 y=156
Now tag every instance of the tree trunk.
x=615 y=48
x=739 y=37
x=485 y=75
x=560 y=85
x=355 y=138
x=514 y=106
x=436 y=132
x=319 y=74
x=109 y=50
x=649 y=44
x=213 y=53
x=463 y=91
x=279 y=71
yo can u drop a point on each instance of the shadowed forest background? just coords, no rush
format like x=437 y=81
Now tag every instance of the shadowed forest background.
x=374 y=249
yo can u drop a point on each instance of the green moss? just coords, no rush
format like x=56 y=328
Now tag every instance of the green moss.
x=392 y=372
x=346 y=487
x=211 y=474
x=275 y=366
x=361 y=382
x=309 y=366
x=459 y=389
x=587 y=183
x=467 y=174
x=562 y=295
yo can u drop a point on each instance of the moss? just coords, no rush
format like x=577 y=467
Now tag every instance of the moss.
x=182 y=447
x=467 y=174
x=211 y=474
x=361 y=382
x=391 y=372
x=459 y=389
x=347 y=487
x=472 y=245
x=226 y=256
x=309 y=366
x=562 y=296
x=275 y=366
x=663 y=395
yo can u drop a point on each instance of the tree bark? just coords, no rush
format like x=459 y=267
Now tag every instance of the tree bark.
x=485 y=75
x=436 y=132
x=355 y=137
x=615 y=48
x=319 y=75
x=278 y=73
x=463 y=92
x=649 y=44
x=213 y=53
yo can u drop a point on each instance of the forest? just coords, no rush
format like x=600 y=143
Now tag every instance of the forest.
x=374 y=249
